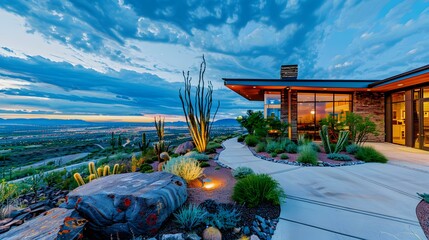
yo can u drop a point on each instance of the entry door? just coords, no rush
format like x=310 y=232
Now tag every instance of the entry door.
x=425 y=124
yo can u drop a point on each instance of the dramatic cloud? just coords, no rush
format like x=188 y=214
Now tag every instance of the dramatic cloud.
x=125 y=57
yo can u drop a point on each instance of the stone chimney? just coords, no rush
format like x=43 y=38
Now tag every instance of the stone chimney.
x=289 y=71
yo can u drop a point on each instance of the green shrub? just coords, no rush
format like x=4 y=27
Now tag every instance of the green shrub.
x=241 y=172
x=241 y=138
x=284 y=156
x=255 y=189
x=251 y=140
x=213 y=145
x=273 y=154
x=184 y=167
x=146 y=168
x=339 y=157
x=291 y=148
x=190 y=217
x=307 y=155
x=272 y=146
x=261 y=147
x=223 y=218
x=197 y=155
x=285 y=141
x=369 y=154
x=352 y=148
x=54 y=179
x=204 y=164
x=174 y=155
x=315 y=146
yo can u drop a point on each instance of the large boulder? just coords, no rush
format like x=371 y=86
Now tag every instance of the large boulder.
x=184 y=147
x=127 y=205
x=57 y=223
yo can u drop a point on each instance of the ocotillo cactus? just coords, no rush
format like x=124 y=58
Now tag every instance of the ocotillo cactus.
x=78 y=179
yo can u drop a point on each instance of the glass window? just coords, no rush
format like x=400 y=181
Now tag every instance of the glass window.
x=273 y=112
x=324 y=97
x=342 y=97
x=398 y=122
x=416 y=94
x=272 y=98
x=306 y=117
x=341 y=109
x=426 y=92
x=313 y=107
x=305 y=97
x=272 y=104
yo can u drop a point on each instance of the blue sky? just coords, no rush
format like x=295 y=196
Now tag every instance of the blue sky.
x=125 y=58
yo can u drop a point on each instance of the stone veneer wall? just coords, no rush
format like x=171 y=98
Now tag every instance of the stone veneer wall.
x=284 y=105
x=284 y=112
x=371 y=104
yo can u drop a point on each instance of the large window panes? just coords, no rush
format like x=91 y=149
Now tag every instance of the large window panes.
x=398 y=118
x=425 y=124
x=313 y=107
x=272 y=104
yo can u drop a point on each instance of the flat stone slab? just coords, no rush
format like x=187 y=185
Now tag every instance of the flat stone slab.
x=57 y=223
x=129 y=204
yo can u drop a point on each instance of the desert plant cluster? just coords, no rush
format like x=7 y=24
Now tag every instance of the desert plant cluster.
x=340 y=140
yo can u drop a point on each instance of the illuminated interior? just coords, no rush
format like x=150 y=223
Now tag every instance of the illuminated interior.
x=272 y=104
x=313 y=107
x=398 y=117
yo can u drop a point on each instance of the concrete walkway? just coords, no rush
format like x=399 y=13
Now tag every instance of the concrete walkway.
x=368 y=201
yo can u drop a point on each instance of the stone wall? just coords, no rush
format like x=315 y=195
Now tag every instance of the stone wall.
x=371 y=104
x=294 y=114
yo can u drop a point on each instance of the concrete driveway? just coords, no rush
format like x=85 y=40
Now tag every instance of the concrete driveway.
x=368 y=201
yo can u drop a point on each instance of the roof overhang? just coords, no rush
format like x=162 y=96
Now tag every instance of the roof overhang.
x=412 y=78
x=253 y=89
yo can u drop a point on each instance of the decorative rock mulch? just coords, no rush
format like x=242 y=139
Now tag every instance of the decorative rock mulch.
x=295 y=163
x=261 y=227
x=50 y=198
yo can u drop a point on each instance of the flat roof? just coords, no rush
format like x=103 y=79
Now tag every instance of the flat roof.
x=253 y=89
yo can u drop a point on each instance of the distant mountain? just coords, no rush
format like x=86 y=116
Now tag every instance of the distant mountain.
x=42 y=122
x=77 y=122
x=227 y=122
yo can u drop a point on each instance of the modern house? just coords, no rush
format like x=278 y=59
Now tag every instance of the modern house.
x=399 y=105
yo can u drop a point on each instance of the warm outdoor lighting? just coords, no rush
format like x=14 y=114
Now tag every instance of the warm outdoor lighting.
x=312 y=112
x=400 y=84
x=209 y=184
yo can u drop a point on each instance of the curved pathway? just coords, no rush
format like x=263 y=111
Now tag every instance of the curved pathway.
x=368 y=201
